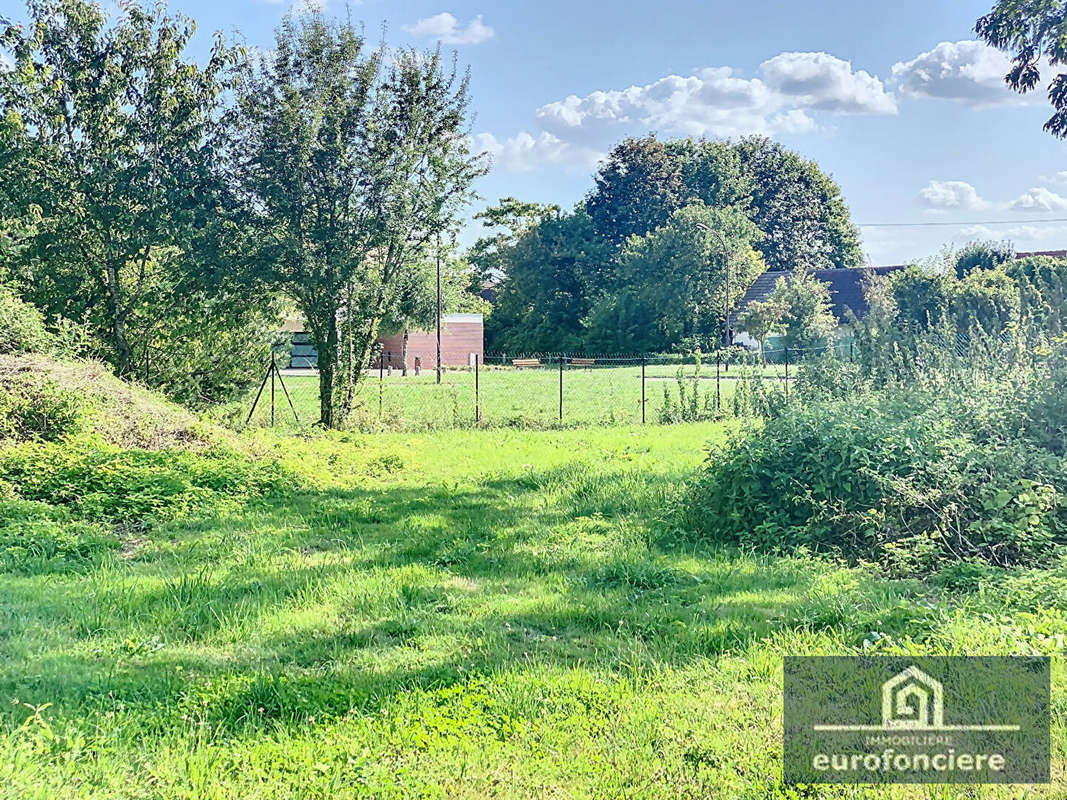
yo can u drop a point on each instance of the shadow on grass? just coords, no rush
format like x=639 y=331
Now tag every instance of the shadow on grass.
x=319 y=604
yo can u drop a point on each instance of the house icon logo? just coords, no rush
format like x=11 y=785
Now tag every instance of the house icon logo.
x=913 y=701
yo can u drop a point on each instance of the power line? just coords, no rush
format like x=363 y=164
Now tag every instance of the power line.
x=956 y=224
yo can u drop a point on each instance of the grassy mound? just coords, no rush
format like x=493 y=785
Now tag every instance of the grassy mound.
x=46 y=399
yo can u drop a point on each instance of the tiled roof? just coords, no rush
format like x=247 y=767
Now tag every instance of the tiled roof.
x=846 y=288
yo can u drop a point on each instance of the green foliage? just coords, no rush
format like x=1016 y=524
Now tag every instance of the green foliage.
x=22 y=328
x=686 y=275
x=1031 y=32
x=356 y=165
x=799 y=307
x=601 y=286
x=983 y=255
x=909 y=478
x=33 y=407
x=37 y=537
x=115 y=135
x=133 y=489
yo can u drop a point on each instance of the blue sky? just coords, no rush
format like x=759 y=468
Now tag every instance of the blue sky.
x=895 y=100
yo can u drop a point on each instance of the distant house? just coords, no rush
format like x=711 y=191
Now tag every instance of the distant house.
x=462 y=338
x=846 y=293
x=846 y=290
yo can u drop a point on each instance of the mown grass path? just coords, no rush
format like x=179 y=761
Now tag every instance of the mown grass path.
x=464 y=614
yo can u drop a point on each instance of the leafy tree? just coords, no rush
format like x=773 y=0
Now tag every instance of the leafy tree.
x=807 y=318
x=1033 y=32
x=508 y=220
x=638 y=187
x=761 y=318
x=112 y=132
x=985 y=302
x=544 y=297
x=355 y=168
x=983 y=255
x=799 y=208
x=689 y=272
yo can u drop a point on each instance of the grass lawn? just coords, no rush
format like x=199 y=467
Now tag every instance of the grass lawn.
x=460 y=614
x=508 y=397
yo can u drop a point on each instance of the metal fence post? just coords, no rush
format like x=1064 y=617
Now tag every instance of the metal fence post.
x=852 y=351
x=718 y=380
x=477 y=396
x=561 y=358
x=381 y=383
x=273 y=372
x=787 y=372
x=644 y=363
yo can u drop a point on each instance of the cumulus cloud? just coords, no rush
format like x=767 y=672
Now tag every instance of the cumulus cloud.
x=445 y=28
x=1022 y=236
x=524 y=152
x=824 y=82
x=720 y=101
x=951 y=195
x=1040 y=199
x=969 y=72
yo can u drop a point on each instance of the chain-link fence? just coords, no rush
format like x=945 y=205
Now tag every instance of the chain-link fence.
x=535 y=390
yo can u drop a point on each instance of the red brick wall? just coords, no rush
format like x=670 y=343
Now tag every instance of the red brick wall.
x=458 y=340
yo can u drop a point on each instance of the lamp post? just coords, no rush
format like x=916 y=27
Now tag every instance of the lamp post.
x=726 y=254
x=439 y=306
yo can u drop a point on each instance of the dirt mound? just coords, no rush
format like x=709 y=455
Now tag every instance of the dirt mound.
x=120 y=413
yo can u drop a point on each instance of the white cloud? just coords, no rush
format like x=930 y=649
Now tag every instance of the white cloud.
x=822 y=81
x=951 y=195
x=1058 y=179
x=970 y=72
x=719 y=101
x=445 y=28
x=1040 y=199
x=524 y=152
x=6 y=63
x=1022 y=236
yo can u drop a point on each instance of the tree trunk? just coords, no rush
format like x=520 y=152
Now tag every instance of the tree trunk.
x=404 y=354
x=326 y=345
x=118 y=322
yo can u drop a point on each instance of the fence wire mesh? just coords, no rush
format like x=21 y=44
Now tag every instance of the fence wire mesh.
x=540 y=390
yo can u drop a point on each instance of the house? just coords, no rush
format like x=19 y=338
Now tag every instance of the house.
x=462 y=338
x=846 y=293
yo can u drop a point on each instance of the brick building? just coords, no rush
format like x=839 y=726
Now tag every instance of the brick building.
x=462 y=337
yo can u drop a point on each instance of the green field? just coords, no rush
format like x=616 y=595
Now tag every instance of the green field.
x=507 y=397
x=460 y=614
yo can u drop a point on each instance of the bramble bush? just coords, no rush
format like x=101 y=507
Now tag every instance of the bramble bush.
x=912 y=478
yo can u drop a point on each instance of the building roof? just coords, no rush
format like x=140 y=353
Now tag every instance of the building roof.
x=846 y=288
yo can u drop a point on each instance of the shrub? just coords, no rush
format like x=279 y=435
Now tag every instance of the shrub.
x=910 y=479
x=33 y=407
x=22 y=328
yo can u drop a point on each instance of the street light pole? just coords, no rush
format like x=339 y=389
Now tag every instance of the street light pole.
x=438 y=306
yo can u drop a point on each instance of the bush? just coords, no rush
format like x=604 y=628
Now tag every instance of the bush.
x=910 y=479
x=33 y=407
x=22 y=328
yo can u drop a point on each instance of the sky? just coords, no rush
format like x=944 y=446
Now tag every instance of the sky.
x=897 y=101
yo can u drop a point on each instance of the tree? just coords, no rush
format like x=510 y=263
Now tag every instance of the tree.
x=983 y=255
x=112 y=132
x=799 y=208
x=689 y=272
x=763 y=317
x=355 y=169
x=807 y=317
x=1033 y=33
x=508 y=220
x=544 y=296
x=638 y=187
